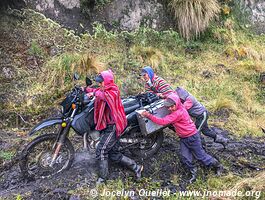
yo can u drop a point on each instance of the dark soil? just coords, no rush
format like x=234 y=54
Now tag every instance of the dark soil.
x=240 y=157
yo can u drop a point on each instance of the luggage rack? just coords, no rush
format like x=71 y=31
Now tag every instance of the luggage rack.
x=156 y=108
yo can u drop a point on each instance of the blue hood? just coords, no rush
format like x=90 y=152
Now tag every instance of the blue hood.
x=150 y=72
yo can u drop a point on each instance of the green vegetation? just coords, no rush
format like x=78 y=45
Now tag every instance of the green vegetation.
x=101 y=3
x=221 y=69
x=18 y=197
x=97 y=4
x=6 y=155
x=35 y=49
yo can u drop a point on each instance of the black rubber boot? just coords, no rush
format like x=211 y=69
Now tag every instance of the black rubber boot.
x=218 y=167
x=103 y=171
x=193 y=173
x=131 y=164
x=220 y=139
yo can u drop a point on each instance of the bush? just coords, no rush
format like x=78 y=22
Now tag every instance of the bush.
x=35 y=49
x=193 y=16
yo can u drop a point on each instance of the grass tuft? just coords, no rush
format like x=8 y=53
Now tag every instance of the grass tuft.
x=193 y=16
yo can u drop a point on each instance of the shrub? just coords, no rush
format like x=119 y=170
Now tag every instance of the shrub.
x=35 y=49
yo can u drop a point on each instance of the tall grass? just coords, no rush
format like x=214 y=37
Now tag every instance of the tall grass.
x=148 y=55
x=193 y=16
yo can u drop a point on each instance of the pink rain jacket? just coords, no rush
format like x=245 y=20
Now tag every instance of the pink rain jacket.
x=180 y=119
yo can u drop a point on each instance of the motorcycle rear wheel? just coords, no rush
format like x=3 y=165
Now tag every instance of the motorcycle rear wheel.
x=37 y=156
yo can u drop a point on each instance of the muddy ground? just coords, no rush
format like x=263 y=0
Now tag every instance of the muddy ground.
x=242 y=156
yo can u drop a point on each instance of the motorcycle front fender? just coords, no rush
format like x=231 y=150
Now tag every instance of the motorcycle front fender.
x=45 y=123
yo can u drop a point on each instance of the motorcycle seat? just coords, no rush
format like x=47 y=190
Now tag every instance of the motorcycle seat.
x=130 y=105
x=129 y=102
x=128 y=110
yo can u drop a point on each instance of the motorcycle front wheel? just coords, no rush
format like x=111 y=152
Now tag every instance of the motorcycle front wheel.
x=37 y=156
x=148 y=146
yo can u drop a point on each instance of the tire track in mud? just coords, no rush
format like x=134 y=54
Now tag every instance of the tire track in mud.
x=244 y=155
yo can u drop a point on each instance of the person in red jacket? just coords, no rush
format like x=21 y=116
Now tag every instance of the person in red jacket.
x=190 y=141
x=110 y=120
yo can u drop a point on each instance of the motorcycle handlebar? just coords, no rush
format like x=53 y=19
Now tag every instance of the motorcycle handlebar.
x=78 y=93
x=148 y=97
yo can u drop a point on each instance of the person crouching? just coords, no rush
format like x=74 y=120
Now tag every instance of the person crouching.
x=190 y=141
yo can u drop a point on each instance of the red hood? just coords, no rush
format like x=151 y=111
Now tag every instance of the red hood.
x=108 y=77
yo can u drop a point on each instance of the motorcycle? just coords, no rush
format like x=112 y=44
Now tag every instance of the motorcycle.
x=49 y=154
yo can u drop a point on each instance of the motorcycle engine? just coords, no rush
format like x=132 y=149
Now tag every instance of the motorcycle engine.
x=94 y=137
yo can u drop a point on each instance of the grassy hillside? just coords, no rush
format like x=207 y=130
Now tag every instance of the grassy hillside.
x=222 y=69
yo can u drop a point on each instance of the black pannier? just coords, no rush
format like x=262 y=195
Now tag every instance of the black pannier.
x=84 y=122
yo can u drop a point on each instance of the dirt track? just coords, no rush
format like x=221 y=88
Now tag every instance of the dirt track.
x=242 y=156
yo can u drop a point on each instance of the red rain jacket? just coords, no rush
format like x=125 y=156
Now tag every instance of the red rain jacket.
x=108 y=108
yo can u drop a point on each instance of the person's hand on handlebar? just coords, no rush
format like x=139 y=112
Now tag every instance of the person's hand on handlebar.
x=90 y=95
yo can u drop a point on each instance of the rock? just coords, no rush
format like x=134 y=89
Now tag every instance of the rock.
x=32 y=62
x=206 y=74
x=74 y=197
x=119 y=14
x=125 y=14
x=256 y=13
x=8 y=72
x=54 y=51
x=132 y=14
x=70 y=4
x=60 y=190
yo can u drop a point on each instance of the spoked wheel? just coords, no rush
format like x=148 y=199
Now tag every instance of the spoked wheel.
x=148 y=145
x=37 y=157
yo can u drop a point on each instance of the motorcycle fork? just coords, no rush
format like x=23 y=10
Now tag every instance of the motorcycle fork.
x=63 y=132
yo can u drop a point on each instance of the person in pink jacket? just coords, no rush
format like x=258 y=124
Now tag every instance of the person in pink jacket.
x=190 y=141
x=201 y=115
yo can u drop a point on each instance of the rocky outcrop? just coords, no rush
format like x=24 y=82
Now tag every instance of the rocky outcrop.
x=65 y=12
x=119 y=14
x=256 y=11
x=129 y=15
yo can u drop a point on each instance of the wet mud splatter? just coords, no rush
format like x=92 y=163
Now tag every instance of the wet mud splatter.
x=240 y=156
